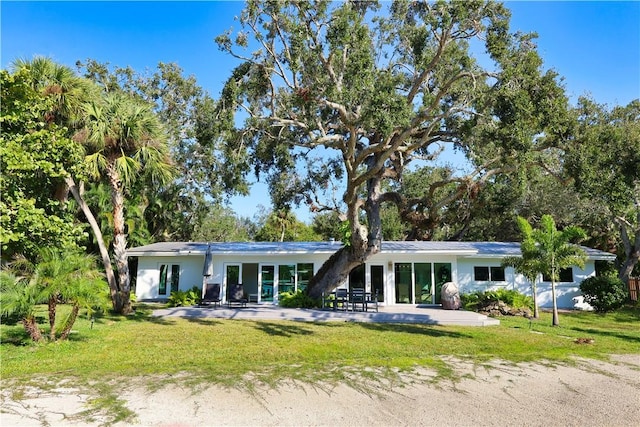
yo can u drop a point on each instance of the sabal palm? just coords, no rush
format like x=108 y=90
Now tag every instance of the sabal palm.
x=123 y=136
x=60 y=83
x=69 y=93
x=554 y=251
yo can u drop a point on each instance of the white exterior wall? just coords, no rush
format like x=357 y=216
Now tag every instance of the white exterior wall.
x=462 y=272
x=565 y=292
x=148 y=278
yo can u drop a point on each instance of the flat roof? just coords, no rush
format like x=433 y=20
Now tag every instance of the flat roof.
x=463 y=249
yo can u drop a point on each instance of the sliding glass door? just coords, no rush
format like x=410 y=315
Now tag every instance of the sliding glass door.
x=420 y=282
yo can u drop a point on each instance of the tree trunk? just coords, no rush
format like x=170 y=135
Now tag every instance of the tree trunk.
x=30 y=325
x=122 y=304
x=333 y=272
x=556 y=320
x=52 y=303
x=631 y=249
x=363 y=244
x=536 y=311
x=97 y=234
x=70 y=321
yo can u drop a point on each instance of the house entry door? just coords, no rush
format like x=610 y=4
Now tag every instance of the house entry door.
x=377 y=281
x=233 y=273
x=267 y=282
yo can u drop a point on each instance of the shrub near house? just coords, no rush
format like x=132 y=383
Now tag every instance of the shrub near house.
x=604 y=293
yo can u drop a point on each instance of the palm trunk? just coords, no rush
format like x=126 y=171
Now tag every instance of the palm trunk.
x=536 y=310
x=97 y=234
x=70 y=321
x=30 y=325
x=52 y=303
x=123 y=302
x=556 y=320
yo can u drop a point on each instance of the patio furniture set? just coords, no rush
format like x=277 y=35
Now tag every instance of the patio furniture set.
x=341 y=299
x=354 y=300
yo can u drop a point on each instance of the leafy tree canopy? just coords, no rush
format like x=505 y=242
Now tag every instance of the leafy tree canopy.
x=603 y=157
x=36 y=156
x=373 y=91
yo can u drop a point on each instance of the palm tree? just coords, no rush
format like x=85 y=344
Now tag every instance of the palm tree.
x=19 y=297
x=61 y=84
x=55 y=276
x=528 y=263
x=123 y=136
x=551 y=251
x=70 y=93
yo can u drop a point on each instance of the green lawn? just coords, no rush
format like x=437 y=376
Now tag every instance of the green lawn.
x=231 y=351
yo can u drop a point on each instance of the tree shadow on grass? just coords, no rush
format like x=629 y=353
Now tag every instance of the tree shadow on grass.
x=428 y=330
x=204 y=321
x=17 y=337
x=608 y=334
x=136 y=316
x=627 y=315
x=283 y=329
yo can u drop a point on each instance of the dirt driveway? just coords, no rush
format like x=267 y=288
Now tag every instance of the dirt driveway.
x=591 y=393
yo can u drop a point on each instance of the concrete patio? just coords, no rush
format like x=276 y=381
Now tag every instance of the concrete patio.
x=392 y=314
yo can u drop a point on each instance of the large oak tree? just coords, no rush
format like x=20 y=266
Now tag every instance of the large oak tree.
x=376 y=92
x=603 y=157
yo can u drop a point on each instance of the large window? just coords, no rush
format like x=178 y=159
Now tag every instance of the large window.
x=286 y=278
x=169 y=275
x=305 y=273
x=566 y=275
x=488 y=274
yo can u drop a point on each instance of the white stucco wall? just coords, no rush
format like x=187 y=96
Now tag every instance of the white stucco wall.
x=149 y=274
x=462 y=271
x=565 y=292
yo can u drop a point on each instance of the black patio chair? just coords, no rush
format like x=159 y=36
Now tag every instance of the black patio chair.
x=371 y=300
x=211 y=295
x=357 y=299
x=236 y=296
x=341 y=300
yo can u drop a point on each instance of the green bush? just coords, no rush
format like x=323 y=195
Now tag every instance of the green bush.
x=604 y=293
x=297 y=300
x=184 y=298
x=512 y=298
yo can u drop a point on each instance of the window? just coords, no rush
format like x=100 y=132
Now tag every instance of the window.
x=497 y=274
x=171 y=275
x=305 y=273
x=286 y=278
x=486 y=274
x=566 y=275
x=481 y=274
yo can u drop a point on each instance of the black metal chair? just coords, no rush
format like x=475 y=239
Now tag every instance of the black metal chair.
x=341 y=300
x=357 y=299
x=371 y=299
x=236 y=295
x=211 y=294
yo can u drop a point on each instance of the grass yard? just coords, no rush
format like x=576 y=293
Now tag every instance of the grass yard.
x=234 y=351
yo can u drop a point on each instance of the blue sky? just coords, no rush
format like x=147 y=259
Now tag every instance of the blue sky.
x=595 y=46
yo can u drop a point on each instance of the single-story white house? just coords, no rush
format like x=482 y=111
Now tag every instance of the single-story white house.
x=402 y=273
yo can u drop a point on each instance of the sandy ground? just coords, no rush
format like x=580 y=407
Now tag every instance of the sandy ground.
x=592 y=393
